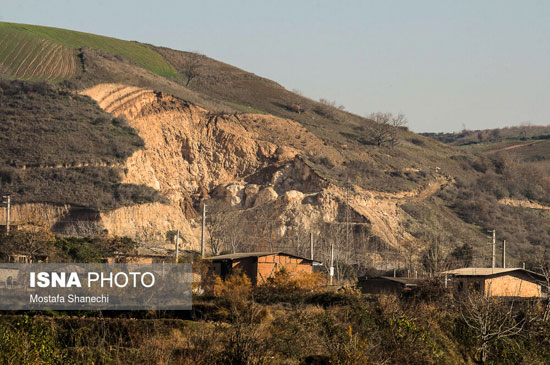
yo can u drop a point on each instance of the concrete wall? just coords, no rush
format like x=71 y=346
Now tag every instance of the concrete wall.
x=511 y=286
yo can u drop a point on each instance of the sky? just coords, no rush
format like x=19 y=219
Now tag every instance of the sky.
x=447 y=65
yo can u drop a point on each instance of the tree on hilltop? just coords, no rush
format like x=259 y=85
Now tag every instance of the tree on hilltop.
x=191 y=66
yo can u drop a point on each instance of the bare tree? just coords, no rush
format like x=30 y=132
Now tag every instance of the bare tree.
x=334 y=235
x=191 y=66
x=544 y=266
x=524 y=128
x=381 y=128
x=396 y=123
x=219 y=225
x=226 y=227
x=386 y=128
x=435 y=257
x=33 y=244
x=490 y=319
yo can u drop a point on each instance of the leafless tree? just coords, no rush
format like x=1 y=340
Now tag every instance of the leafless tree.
x=396 y=123
x=334 y=235
x=524 y=128
x=33 y=244
x=381 y=129
x=191 y=66
x=544 y=267
x=435 y=257
x=386 y=128
x=221 y=227
x=490 y=319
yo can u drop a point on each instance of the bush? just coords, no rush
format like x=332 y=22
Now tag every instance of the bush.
x=283 y=280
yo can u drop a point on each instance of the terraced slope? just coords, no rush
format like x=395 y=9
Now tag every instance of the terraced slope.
x=30 y=58
x=43 y=53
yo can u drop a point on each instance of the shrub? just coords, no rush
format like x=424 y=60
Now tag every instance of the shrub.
x=234 y=286
x=284 y=280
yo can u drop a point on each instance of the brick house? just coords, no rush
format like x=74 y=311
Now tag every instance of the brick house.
x=496 y=282
x=259 y=266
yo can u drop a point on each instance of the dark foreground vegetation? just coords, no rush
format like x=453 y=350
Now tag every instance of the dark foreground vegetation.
x=287 y=322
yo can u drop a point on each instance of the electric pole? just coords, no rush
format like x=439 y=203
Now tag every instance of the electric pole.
x=504 y=254
x=311 y=245
x=8 y=211
x=202 y=230
x=331 y=262
x=177 y=245
x=494 y=248
x=347 y=212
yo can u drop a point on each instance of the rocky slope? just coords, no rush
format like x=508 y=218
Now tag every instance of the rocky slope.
x=253 y=162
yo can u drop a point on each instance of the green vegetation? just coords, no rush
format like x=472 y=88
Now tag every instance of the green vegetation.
x=30 y=58
x=32 y=35
x=39 y=244
x=244 y=108
x=523 y=132
x=93 y=249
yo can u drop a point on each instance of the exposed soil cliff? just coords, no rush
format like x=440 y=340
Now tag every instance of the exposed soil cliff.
x=251 y=161
x=256 y=164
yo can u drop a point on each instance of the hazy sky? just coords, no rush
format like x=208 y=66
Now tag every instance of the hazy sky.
x=445 y=64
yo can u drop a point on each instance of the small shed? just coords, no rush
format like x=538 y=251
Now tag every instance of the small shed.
x=496 y=282
x=259 y=266
x=387 y=285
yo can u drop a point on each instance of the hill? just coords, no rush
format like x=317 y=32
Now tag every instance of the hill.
x=33 y=52
x=272 y=166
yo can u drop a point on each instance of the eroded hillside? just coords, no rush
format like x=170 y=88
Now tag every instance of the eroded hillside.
x=272 y=166
x=256 y=166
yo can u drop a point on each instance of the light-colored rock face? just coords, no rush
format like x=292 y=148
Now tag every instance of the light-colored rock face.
x=249 y=161
x=293 y=197
x=189 y=152
x=266 y=196
x=148 y=223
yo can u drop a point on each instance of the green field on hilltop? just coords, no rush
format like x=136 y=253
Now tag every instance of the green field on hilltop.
x=20 y=43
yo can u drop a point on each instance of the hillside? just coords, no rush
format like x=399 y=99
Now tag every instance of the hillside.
x=272 y=166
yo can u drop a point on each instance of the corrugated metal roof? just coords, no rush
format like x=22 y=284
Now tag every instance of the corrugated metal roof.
x=240 y=255
x=488 y=271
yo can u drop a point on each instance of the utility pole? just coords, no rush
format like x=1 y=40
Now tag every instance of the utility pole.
x=8 y=211
x=202 y=230
x=504 y=254
x=347 y=212
x=177 y=245
x=311 y=245
x=331 y=262
x=494 y=248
